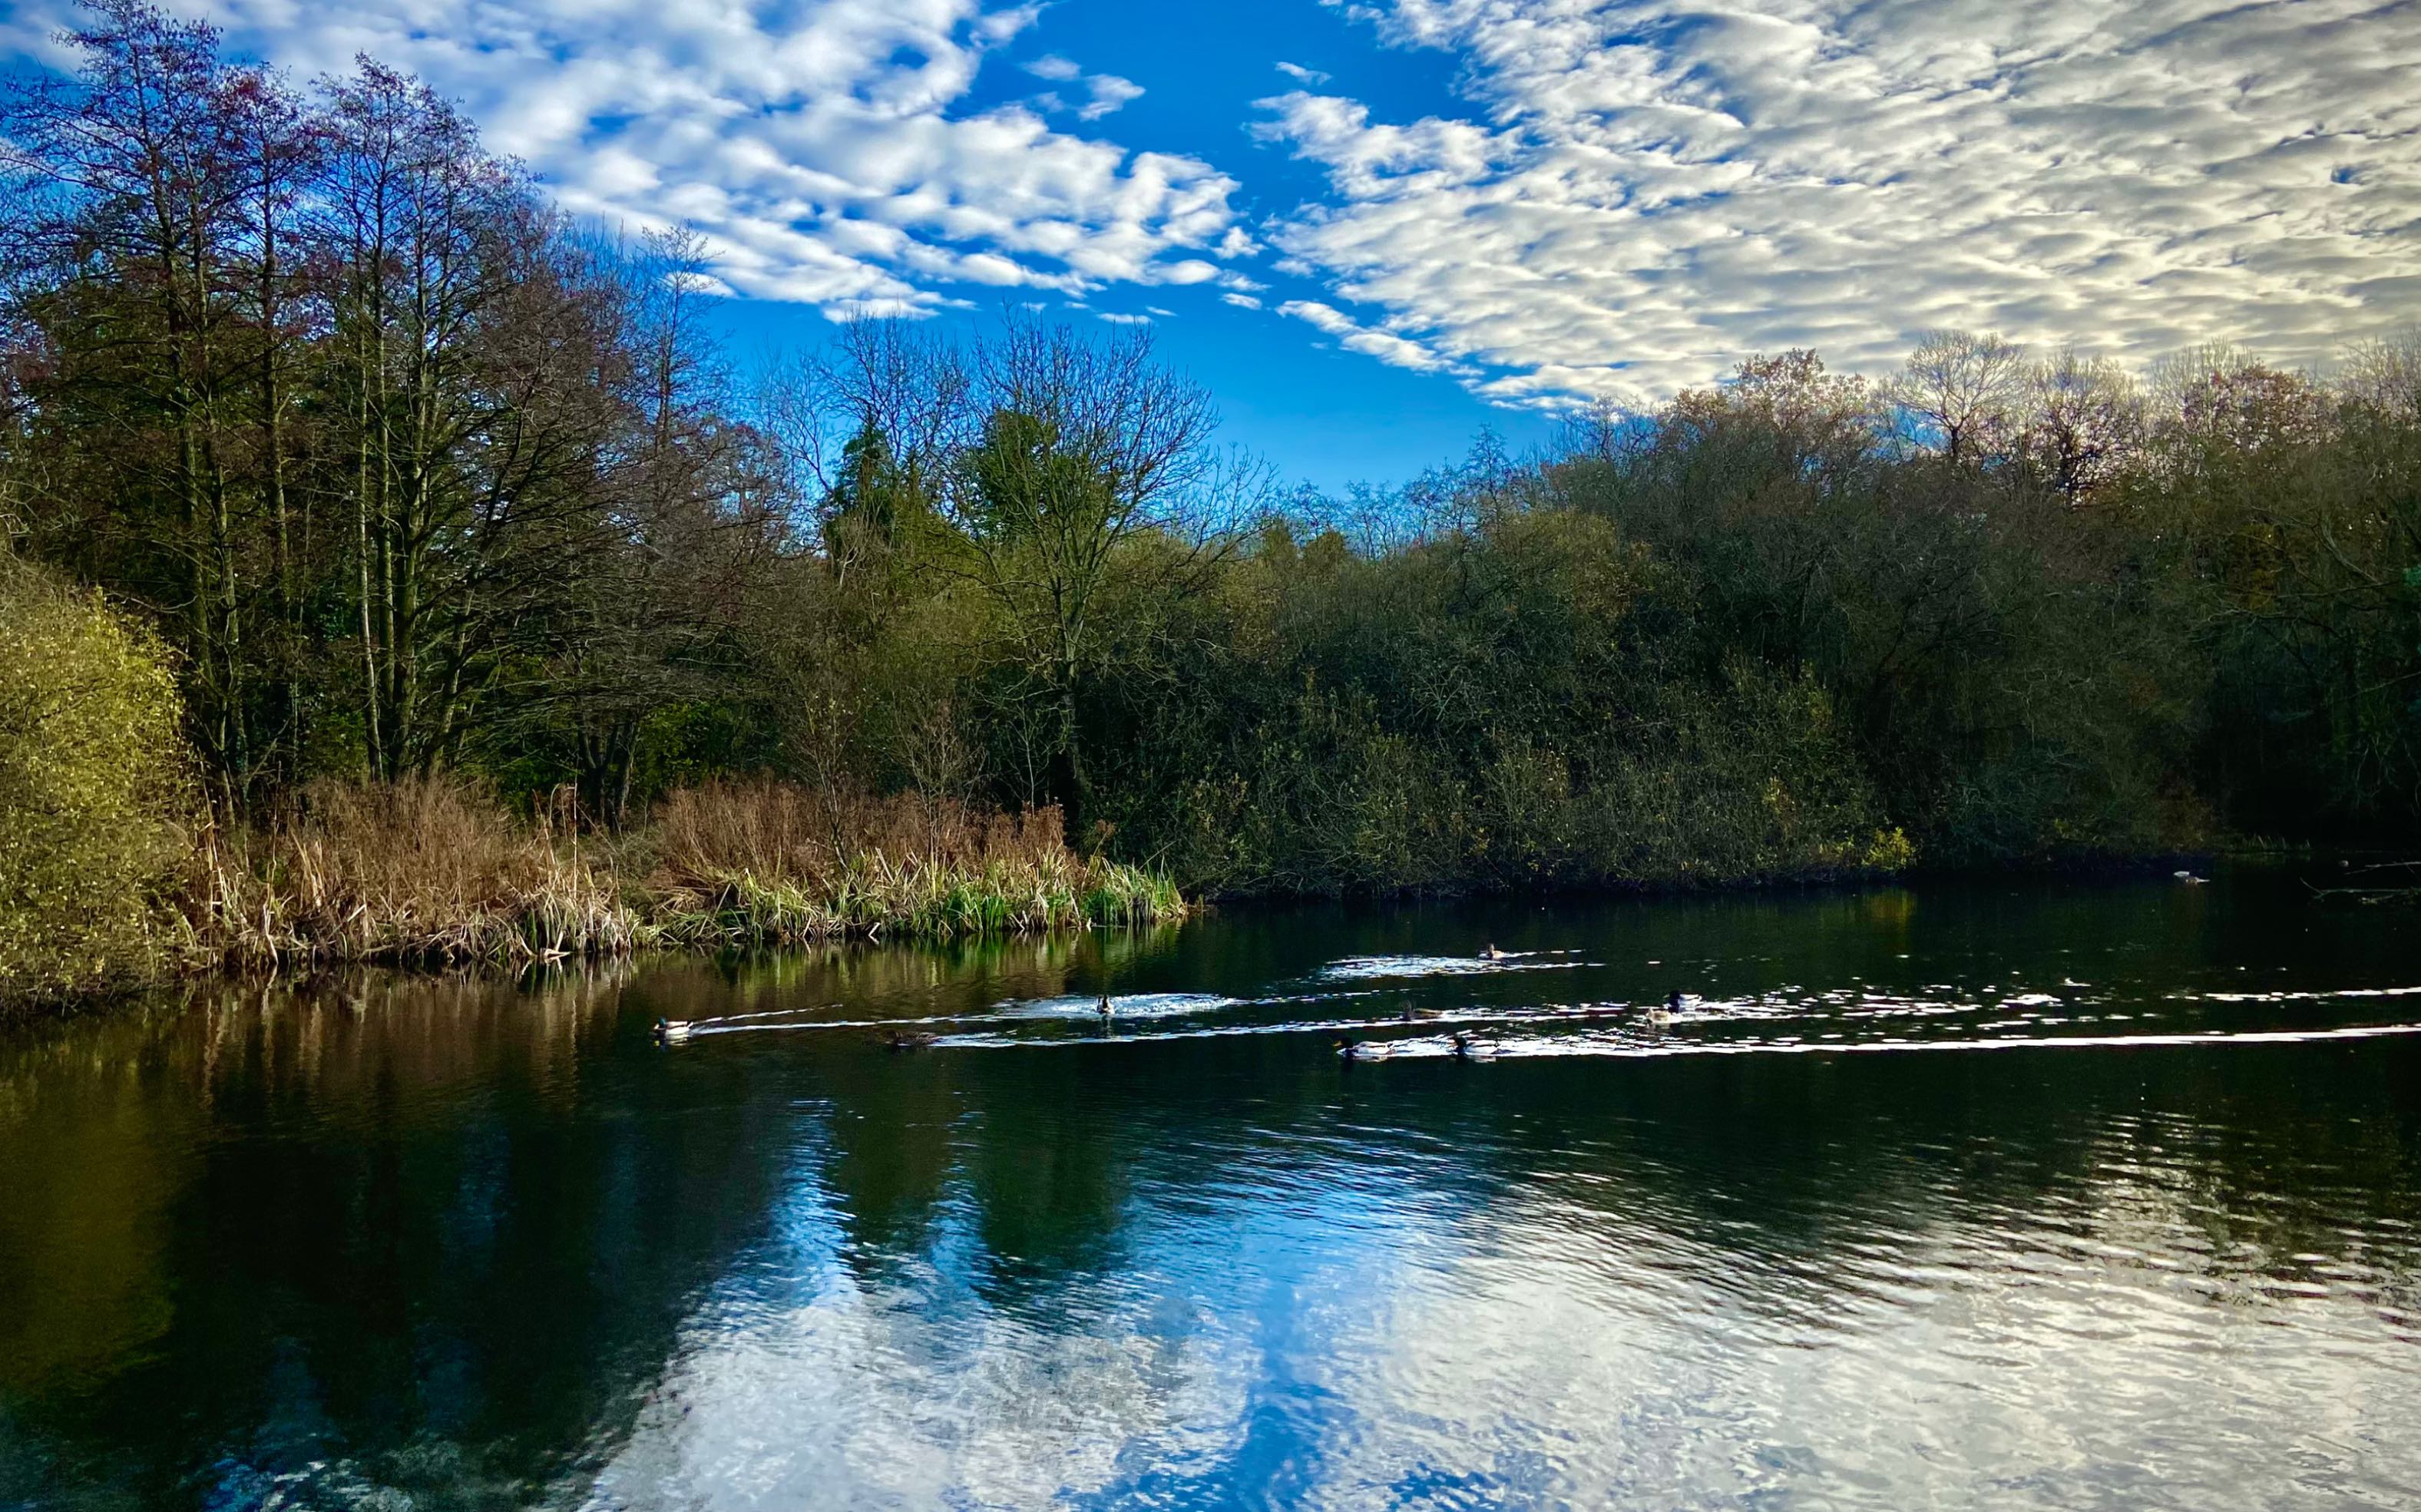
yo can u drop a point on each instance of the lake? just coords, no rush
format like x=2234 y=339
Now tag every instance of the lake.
x=2024 y=1194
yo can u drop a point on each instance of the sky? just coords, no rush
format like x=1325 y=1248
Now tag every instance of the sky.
x=1374 y=228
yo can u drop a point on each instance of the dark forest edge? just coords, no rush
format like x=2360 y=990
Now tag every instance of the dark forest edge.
x=396 y=570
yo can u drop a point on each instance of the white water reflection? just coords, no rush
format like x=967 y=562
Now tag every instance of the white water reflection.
x=1381 y=1340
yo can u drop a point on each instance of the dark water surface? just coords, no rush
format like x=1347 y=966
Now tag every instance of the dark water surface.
x=2008 y=1196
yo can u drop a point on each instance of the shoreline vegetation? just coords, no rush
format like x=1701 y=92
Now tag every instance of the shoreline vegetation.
x=393 y=567
x=434 y=872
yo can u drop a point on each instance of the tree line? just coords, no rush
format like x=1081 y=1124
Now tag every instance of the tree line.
x=414 y=475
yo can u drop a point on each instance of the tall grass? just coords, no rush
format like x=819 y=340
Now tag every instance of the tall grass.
x=773 y=864
x=427 y=871
x=432 y=871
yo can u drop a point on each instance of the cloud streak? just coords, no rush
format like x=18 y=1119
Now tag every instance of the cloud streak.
x=1646 y=190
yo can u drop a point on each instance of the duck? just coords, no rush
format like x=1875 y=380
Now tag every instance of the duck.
x=673 y=1031
x=1662 y=1013
x=1350 y=1049
x=1492 y=953
x=898 y=1041
x=1102 y=1010
x=1462 y=1046
x=2192 y=881
x=1413 y=1015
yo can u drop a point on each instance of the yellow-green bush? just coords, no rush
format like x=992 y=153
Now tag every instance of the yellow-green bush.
x=94 y=792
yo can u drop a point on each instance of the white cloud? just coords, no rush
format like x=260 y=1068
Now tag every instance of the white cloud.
x=1387 y=345
x=1105 y=93
x=1241 y=301
x=1110 y=93
x=1302 y=75
x=1648 y=190
x=818 y=145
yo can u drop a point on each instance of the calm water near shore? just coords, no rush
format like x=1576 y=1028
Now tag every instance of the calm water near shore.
x=1997 y=1195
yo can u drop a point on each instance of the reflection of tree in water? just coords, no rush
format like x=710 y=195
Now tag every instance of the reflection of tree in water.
x=448 y=1233
x=1765 y=1176
x=359 y=1226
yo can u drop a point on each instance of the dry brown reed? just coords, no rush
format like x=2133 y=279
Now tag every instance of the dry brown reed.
x=426 y=870
x=814 y=837
x=434 y=871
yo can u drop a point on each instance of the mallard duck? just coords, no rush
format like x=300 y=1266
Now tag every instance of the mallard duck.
x=1348 y=1048
x=1413 y=1015
x=1462 y=1046
x=2192 y=881
x=1662 y=1013
x=1102 y=1010
x=898 y=1041
x=1492 y=953
x=673 y=1031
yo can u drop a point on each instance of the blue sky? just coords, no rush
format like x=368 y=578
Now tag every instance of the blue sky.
x=1375 y=227
x=1323 y=415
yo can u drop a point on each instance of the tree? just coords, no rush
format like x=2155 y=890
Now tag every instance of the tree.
x=2082 y=426
x=139 y=176
x=1089 y=449
x=1958 y=391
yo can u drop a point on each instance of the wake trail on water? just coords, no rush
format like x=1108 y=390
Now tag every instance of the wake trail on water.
x=1614 y=1029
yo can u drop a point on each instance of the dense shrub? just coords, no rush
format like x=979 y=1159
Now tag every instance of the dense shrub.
x=94 y=796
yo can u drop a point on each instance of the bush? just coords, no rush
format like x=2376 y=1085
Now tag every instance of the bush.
x=95 y=794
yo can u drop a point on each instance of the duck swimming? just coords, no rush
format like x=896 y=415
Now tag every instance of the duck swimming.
x=2192 y=881
x=898 y=1041
x=673 y=1031
x=1102 y=1010
x=1462 y=1046
x=1492 y=953
x=1348 y=1048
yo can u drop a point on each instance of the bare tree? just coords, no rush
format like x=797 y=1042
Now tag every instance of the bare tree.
x=2083 y=425
x=2383 y=374
x=2216 y=397
x=1959 y=391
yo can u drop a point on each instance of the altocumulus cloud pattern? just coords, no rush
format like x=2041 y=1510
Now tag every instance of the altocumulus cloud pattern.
x=1664 y=184
x=1626 y=196
x=814 y=145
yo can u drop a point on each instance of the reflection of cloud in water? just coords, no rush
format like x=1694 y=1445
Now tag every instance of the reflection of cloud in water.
x=801 y=1384
x=1356 y=1345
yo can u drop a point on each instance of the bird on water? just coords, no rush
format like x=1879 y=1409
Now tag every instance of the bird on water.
x=672 y=1031
x=898 y=1041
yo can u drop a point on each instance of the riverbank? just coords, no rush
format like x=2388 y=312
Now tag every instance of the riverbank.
x=434 y=872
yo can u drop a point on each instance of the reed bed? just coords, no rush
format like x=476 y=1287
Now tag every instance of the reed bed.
x=433 y=872
x=427 y=871
x=764 y=863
